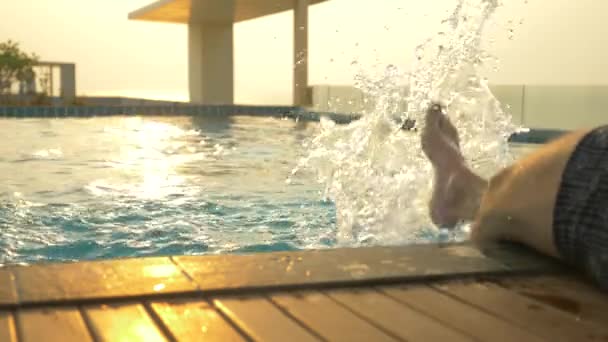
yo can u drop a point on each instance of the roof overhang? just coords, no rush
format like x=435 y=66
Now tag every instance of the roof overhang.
x=211 y=11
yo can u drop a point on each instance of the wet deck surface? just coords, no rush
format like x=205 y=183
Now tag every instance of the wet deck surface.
x=420 y=293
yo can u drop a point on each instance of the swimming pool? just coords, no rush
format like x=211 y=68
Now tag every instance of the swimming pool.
x=106 y=187
x=131 y=186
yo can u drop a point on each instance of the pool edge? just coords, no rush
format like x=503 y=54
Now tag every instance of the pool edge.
x=159 y=277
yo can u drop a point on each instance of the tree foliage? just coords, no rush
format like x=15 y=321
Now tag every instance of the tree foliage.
x=15 y=65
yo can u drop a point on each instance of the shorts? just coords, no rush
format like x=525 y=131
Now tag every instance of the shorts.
x=580 y=217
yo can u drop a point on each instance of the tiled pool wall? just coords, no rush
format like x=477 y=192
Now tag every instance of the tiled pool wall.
x=172 y=109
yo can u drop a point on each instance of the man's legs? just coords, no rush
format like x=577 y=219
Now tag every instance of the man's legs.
x=516 y=204
x=554 y=200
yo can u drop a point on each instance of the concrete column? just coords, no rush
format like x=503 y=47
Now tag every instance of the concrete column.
x=68 y=83
x=300 y=44
x=211 y=63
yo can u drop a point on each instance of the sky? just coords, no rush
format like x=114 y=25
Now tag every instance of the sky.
x=554 y=42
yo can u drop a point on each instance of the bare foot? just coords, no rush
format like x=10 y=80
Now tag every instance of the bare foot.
x=457 y=190
x=440 y=141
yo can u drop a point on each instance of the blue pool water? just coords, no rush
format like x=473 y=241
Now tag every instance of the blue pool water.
x=76 y=189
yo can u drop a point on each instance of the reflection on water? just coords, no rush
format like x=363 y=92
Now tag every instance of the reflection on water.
x=131 y=186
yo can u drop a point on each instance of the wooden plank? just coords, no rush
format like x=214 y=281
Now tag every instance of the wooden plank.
x=395 y=317
x=262 y=320
x=101 y=279
x=530 y=314
x=8 y=294
x=190 y=321
x=149 y=276
x=340 y=266
x=52 y=324
x=476 y=323
x=7 y=327
x=122 y=323
x=569 y=294
x=329 y=319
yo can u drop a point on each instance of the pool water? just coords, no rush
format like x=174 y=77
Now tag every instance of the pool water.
x=77 y=189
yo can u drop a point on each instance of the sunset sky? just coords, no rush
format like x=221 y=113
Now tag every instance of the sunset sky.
x=555 y=42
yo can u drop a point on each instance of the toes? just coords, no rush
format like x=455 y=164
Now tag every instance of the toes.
x=431 y=133
x=431 y=130
x=433 y=115
x=436 y=119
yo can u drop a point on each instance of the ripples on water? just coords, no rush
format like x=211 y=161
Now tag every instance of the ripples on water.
x=73 y=189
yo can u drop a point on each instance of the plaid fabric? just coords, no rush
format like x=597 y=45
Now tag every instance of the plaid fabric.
x=580 y=219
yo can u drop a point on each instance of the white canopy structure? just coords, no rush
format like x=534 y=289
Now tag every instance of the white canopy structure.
x=210 y=41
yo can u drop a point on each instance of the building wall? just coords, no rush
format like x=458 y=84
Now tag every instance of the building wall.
x=533 y=106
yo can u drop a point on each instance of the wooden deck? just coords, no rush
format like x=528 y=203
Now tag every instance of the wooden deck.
x=418 y=293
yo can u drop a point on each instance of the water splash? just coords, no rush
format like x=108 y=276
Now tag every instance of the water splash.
x=374 y=171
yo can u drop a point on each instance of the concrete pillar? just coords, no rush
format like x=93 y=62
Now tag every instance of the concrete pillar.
x=211 y=63
x=68 y=83
x=300 y=44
